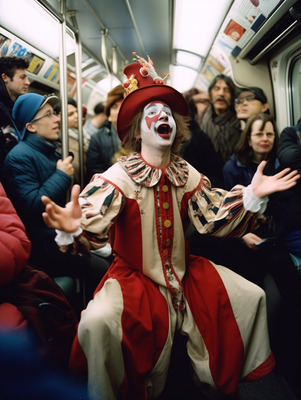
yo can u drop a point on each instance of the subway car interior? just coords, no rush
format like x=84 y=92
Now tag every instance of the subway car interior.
x=79 y=49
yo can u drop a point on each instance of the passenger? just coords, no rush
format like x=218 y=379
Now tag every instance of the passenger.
x=258 y=142
x=13 y=83
x=219 y=120
x=30 y=301
x=73 y=137
x=154 y=287
x=289 y=216
x=251 y=101
x=14 y=254
x=105 y=143
x=34 y=168
x=94 y=123
x=199 y=150
x=201 y=100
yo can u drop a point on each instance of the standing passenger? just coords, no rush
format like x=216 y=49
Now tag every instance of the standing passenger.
x=93 y=124
x=251 y=101
x=219 y=120
x=13 y=83
x=72 y=115
x=105 y=143
x=154 y=287
x=199 y=150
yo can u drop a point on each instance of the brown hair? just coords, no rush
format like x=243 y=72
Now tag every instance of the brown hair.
x=243 y=151
x=132 y=142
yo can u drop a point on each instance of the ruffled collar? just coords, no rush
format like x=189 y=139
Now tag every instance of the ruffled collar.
x=147 y=175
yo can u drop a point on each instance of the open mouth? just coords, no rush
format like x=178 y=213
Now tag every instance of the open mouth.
x=164 y=130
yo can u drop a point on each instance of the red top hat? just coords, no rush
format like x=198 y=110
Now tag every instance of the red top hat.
x=143 y=86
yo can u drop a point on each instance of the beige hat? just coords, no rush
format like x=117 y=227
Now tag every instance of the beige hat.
x=116 y=94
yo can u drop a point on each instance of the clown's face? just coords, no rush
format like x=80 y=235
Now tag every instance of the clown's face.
x=158 y=127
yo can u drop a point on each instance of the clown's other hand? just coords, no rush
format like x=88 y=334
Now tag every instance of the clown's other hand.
x=263 y=185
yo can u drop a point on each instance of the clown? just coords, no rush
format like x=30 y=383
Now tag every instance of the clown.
x=154 y=287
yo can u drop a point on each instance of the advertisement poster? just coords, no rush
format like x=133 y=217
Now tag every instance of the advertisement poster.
x=52 y=73
x=36 y=63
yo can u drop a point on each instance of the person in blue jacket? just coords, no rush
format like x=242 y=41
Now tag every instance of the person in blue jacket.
x=258 y=142
x=34 y=168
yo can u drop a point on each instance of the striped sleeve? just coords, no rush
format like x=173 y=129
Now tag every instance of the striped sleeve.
x=219 y=212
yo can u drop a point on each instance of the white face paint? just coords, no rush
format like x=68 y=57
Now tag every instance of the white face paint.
x=158 y=127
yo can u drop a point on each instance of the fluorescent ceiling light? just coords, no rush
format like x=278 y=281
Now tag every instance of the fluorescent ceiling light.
x=187 y=59
x=108 y=83
x=182 y=78
x=30 y=22
x=196 y=23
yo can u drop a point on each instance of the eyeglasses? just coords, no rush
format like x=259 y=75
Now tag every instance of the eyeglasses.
x=49 y=114
x=260 y=135
x=249 y=98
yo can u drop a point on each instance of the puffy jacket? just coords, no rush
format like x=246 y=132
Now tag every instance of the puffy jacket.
x=14 y=244
x=29 y=173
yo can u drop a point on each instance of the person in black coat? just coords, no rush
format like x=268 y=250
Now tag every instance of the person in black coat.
x=199 y=150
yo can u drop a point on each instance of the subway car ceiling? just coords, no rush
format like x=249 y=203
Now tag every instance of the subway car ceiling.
x=191 y=40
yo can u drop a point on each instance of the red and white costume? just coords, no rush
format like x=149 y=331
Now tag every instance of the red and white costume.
x=155 y=287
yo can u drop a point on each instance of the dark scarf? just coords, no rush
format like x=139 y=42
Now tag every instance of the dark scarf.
x=223 y=130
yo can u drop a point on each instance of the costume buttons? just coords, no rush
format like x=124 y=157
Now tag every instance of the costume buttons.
x=165 y=205
x=165 y=252
x=165 y=188
x=167 y=243
x=167 y=223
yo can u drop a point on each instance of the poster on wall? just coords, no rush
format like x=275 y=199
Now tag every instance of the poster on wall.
x=52 y=73
x=36 y=63
x=5 y=42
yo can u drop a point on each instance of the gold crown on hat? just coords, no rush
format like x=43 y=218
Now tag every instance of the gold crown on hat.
x=147 y=70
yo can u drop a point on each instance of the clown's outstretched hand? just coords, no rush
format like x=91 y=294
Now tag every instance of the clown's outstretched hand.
x=66 y=218
x=263 y=185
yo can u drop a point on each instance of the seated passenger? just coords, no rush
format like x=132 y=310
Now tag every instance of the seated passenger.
x=30 y=302
x=34 y=168
x=154 y=287
x=289 y=216
x=258 y=142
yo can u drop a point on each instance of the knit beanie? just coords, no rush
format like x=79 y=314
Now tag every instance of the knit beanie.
x=27 y=105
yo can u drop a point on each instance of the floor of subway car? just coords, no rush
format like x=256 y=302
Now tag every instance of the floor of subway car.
x=279 y=385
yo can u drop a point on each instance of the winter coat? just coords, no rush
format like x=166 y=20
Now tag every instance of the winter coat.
x=103 y=145
x=14 y=244
x=30 y=172
x=9 y=132
x=200 y=153
x=14 y=253
x=289 y=154
x=236 y=173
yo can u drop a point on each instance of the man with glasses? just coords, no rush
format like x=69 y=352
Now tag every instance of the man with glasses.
x=251 y=101
x=13 y=83
x=34 y=168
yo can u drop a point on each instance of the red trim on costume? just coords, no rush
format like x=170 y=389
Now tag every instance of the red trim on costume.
x=213 y=314
x=262 y=370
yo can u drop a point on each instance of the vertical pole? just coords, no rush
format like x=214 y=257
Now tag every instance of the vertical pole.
x=63 y=81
